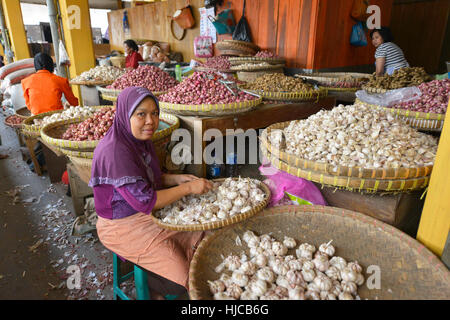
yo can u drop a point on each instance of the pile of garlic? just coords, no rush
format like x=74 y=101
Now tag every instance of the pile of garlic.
x=69 y=113
x=226 y=199
x=271 y=274
x=100 y=73
x=356 y=135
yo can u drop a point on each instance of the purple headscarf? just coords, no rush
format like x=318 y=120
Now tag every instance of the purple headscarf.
x=120 y=158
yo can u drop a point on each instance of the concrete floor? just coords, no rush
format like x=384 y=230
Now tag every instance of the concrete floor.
x=35 y=212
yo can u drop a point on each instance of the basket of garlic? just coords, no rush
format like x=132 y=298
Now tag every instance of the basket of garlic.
x=230 y=201
x=33 y=125
x=100 y=75
x=308 y=253
x=353 y=147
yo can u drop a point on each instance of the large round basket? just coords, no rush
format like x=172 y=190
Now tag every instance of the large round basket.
x=329 y=79
x=112 y=94
x=209 y=110
x=343 y=171
x=34 y=131
x=292 y=96
x=12 y=125
x=235 y=61
x=250 y=76
x=205 y=69
x=419 y=120
x=92 y=83
x=257 y=67
x=238 y=48
x=221 y=223
x=78 y=154
x=408 y=270
x=23 y=112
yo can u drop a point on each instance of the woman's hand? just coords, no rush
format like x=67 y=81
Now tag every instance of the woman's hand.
x=170 y=180
x=199 y=186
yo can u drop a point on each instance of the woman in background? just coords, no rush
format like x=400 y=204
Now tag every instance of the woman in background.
x=133 y=55
x=389 y=57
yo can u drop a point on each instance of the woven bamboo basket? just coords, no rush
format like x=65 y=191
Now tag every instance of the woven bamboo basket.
x=118 y=61
x=256 y=67
x=82 y=160
x=408 y=269
x=292 y=96
x=241 y=60
x=34 y=131
x=221 y=223
x=92 y=83
x=327 y=79
x=350 y=183
x=239 y=48
x=205 y=69
x=209 y=110
x=250 y=76
x=23 y=112
x=9 y=124
x=418 y=120
x=342 y=171
x=112 y=94
x=374 y=90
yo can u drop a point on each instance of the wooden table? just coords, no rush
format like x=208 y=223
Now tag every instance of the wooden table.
x=261 y=117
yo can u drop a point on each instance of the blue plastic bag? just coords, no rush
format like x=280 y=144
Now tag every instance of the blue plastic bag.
x=358 y=37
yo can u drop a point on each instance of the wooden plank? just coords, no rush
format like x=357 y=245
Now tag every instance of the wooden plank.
x=435 y=222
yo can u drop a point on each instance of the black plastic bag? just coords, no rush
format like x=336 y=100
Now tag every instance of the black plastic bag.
x=242 y=30
x=213 y=3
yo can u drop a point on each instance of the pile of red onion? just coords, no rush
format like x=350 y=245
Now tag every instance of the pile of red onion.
x=218 y=63
x=150 y=77
x=199 y=89
x=93 y=128
x=434 y=98
x=265 y=54
x=14 y=120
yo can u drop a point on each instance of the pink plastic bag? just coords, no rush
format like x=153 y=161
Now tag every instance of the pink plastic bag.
x=203 y=47
x=298 y=190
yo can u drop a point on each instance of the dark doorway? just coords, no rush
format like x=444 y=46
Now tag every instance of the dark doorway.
x=47 y=33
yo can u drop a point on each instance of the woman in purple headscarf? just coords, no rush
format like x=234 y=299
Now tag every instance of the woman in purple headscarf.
x=128 y=184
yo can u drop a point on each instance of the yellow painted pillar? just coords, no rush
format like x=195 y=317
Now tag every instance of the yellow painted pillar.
x=16 y=28
x=435 y=221
x=78 y=38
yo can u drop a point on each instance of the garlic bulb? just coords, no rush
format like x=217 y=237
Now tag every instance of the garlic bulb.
x=321 y=263
x=248 y=268
x=295 y=265
x=355 y=266
x=282 y=292
x=297 y=294
x=327 y=248
x=266 y=244
x=248 y=235
x=255 y=251
x=253 y=242
x=270 y=295
x=323 y=283
x=226 y=279
x=326 y=295
x=234 y=291
x=216 y=286
x=349 y=287
x=338 y=262
x=308 y=275
x=258 y=287
x=295 y=278
x=233 y=263
x=345 y=296
x=306 y=251
x=289 y=242
x=308 y=265
x=283 y=282
x=279 y=249
x=260 y=260
x=281 y=268
x=265 y=274
x=222 y=296
x=239 y=278
x=348 y=274
x=312 y=295
x=333 y=273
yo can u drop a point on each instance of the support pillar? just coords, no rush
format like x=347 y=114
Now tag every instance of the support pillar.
x=435 y=221
x=16 y=28
x=78 y=38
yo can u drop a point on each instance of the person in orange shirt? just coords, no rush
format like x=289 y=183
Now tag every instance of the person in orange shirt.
x=133 y=55
x=43 y=90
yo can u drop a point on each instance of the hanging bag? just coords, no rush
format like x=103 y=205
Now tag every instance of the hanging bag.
x=359 y=10
x=224 y=22
x=184 y=17
x=358 y=37
x=242 y=31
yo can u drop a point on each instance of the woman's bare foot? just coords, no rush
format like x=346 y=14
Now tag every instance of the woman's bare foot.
x=156 y=295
